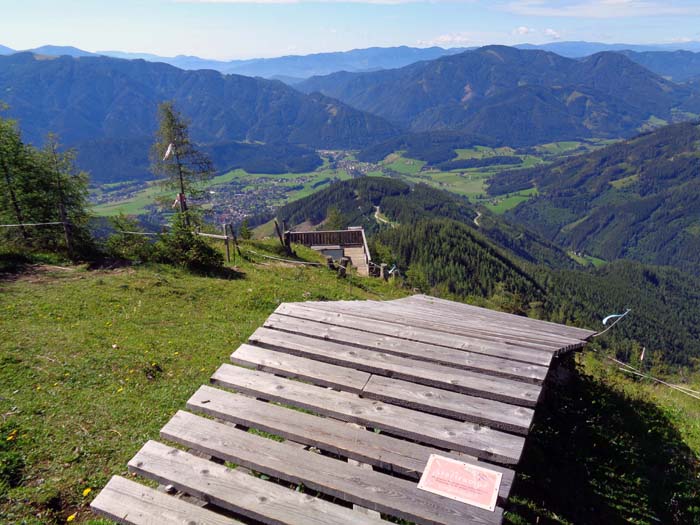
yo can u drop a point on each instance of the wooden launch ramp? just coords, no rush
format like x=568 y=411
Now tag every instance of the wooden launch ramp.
x=330 y=413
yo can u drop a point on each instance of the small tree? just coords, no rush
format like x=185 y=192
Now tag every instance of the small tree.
x=334 y=219
x=245 y=232
x=176 y=160
x=13 y=165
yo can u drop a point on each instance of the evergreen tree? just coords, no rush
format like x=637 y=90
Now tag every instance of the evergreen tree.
x=176 y=159
x=245 y=232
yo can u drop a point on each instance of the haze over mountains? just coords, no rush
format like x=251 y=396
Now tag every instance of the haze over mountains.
x=294 y=68
x=101 y=102
x=497 y=95
x=517 y=96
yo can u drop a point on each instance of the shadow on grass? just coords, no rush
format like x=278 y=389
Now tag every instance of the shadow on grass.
x=595 y=456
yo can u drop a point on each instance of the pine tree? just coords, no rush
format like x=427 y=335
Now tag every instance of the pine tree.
x=176 y=159
x=245 y=232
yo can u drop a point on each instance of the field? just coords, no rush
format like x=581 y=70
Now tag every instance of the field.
x=254 y=194
x=93 y=363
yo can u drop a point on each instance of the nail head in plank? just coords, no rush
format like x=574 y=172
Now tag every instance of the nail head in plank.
x=469 y=438
x=370 y=489
x=131 y=503
x=237 y=491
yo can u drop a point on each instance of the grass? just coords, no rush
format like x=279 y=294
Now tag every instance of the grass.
x=94 y=363
x=608 y=449
x=397 y=162
x=502 y=204
x=137 y=203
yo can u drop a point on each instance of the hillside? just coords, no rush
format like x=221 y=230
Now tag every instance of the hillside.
x=678 y=66
x=114 y=102
x=633 y=200
x=520 y=97
x=115 y=374
x=360 y=200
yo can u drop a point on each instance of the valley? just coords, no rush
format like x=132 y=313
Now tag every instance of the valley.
x=232 y=196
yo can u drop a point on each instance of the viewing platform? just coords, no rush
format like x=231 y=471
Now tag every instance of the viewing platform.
x=333 y=412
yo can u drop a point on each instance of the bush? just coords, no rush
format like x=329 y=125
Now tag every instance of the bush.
x=183 y=248
x=125 y=246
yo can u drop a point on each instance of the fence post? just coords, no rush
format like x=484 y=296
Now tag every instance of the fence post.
x=384 y=271
x=228 y=250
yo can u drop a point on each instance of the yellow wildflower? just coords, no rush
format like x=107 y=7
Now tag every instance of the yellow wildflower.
x=87 y=491
x=71 y=517
x=120 y=389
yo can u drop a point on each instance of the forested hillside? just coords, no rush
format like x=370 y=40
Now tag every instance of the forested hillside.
x=432 y=237
x=517 y=96
x=359 y=200
x=633 y=200
x=112 y=103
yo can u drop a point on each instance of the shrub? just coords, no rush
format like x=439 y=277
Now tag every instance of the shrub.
x=183 y=248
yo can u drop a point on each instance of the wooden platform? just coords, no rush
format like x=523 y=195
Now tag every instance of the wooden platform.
x=334 y=409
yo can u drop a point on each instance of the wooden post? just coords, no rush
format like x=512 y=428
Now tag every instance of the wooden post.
x=279 y=233
x=384 y=271
x=329 y=262
x=235 y=240
x=228 y=250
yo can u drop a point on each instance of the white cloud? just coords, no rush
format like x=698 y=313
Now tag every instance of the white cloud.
x=523 y=30
x=602 y=8
x=384 y=2
x=551 y=33
x=450 y=40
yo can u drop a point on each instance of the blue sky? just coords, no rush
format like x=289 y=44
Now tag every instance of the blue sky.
x=228 y=29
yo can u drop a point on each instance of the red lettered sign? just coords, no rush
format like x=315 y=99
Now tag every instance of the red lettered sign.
x=460 y=481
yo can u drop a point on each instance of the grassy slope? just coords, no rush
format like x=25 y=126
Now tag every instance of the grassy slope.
x=604 y=448
x=96 y=362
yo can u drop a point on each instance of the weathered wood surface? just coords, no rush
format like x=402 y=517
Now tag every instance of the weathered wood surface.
x=352 y=441
x=434 y=430
x=370 y=489
x=451 y=404
x=431 y=320
x=463 y=359
x=231 y=489
x=289 y=365
x=361 y=393
x=376 y=326
x=525 y=322
x=131 y=503
x=420 y=372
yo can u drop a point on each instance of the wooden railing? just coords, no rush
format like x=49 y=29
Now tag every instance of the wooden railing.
x=328 y=238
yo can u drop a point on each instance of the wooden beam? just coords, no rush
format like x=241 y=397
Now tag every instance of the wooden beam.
x=433 y=430
x=328 y=434
x=373 y=490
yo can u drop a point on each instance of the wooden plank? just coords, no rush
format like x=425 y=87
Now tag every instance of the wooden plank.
x=451 y=404
x=505 y=350
x=373 y=490
x=289 y=365
x=343 y=439
x=231 y=489
x=463 y=359
x=407 y=316
x=374 y=362
x=131 y=503
x=429 y=429
x=483 y=411
x=454 y=306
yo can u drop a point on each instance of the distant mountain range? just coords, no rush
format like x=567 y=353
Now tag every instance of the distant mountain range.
x=113 y=103
x=635 y=199
x=518 y=96
x=294 y=68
